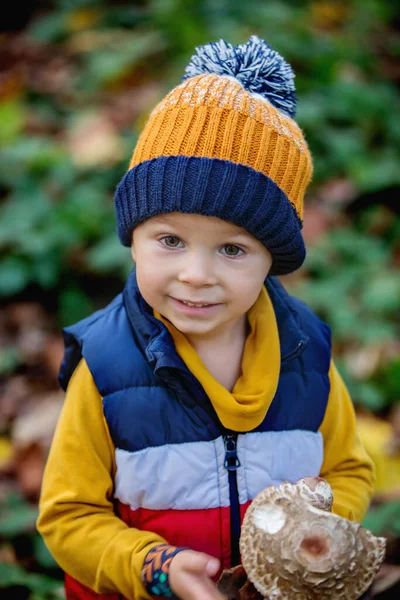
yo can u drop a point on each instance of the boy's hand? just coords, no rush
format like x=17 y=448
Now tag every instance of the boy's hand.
x=190 y=576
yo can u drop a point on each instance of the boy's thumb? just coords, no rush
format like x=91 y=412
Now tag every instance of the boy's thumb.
x=204 y=564
x=212 y=566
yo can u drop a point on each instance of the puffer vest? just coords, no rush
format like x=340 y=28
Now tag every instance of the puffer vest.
x=180 y=473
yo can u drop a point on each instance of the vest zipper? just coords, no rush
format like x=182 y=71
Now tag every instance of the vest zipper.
x=231 y=463
x=294 y=353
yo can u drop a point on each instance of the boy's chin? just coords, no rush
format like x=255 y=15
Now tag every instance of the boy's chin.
x=191 y=328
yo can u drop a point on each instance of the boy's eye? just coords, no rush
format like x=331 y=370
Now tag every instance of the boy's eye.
x=171 y=241
x=232 y=250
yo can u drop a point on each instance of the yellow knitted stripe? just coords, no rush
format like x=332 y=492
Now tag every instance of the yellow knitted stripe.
x=214 y=117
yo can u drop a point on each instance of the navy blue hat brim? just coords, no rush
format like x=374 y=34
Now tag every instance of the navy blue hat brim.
x=215 y=188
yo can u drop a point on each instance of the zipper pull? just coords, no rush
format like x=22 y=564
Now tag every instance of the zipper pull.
x=232 y=461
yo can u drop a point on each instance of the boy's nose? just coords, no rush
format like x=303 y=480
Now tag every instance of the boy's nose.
x=197 y=271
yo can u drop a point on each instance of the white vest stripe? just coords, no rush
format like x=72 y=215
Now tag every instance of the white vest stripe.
x=182 y=476
x=192 y=475
x=271 y=457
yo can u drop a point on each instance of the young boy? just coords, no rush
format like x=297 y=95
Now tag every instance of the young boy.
x=204 y=381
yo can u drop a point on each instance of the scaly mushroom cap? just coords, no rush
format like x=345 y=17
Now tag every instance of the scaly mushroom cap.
x=292 y=548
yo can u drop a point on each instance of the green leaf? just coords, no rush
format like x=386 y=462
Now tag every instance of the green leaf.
x=48 y=28
x=379 y=172
x=107 y=64
x=14 y=275
x=382 y=293
x=35 y=153
x=12 y=117
x=20 y=214
x=18 y=519
x=388 y=380
x=86 y=210
x=368 y=395
x=384 y=519
x=46 y=271
x=374 y=330
x=108 y=255
x=74 y=305
x=14 y=575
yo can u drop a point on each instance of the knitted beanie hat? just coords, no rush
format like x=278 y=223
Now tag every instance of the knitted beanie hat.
x=224 y=143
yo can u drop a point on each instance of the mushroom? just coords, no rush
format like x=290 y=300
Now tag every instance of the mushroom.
x=294 y=548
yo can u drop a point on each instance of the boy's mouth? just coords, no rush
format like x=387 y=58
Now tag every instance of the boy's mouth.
x=194 y=304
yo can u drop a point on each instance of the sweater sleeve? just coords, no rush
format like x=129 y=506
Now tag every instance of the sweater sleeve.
x=76 y=516
x=347 y=467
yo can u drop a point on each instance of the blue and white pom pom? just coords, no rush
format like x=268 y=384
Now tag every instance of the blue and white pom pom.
x=259 y=69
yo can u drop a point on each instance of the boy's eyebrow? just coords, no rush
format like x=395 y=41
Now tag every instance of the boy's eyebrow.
x=162 y=220
x=240 y=234
x=167 y=220
x=236 y=234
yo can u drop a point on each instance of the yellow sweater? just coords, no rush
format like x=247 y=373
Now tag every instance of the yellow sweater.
x=76 y=517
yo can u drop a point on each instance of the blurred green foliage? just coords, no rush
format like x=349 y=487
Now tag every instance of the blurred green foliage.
x=68 y=127
x=68 y=124
x=384 y=519
x=80 y=57
x=353 y=284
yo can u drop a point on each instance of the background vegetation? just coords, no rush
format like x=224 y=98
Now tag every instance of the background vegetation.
x=77 y=81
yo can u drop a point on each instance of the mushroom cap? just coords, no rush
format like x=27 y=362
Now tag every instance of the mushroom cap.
x=314 y=490
x=293 y=549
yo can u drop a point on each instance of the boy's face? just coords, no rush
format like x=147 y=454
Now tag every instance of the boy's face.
x=184 y=258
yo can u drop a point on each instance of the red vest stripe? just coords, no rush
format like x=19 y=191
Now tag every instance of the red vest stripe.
x=201 y=530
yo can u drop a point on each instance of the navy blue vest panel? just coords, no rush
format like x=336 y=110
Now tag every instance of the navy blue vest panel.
x=150 y=398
